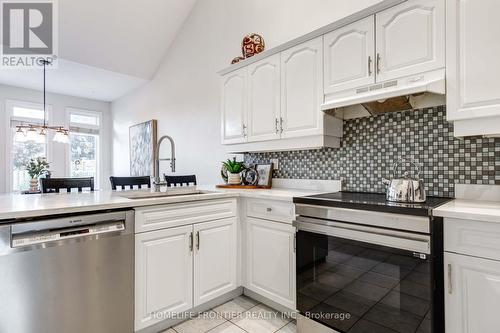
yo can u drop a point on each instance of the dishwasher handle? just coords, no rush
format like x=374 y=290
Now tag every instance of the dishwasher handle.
x=39 y=237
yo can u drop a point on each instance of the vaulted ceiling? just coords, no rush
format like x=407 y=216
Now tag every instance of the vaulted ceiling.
x=108 y=43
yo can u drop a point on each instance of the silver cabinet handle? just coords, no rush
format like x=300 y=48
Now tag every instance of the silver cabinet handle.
x=269 y=209
x=197 y=240
x=450 y=285
x=378 y=63
x=191 y=242
x=370 y=65
x=276 y=125
x=244 y=129
x=281 y=124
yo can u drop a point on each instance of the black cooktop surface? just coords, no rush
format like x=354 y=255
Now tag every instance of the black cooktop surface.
x=372 y=201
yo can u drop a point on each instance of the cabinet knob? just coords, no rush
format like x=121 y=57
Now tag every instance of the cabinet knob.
x=269 y=209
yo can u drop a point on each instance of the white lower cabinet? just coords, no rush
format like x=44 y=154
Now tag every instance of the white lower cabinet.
x=163 y=274
x=473 y=295
x=270 y=260
x=182 y=267
x=472 y=276
x=215 y=260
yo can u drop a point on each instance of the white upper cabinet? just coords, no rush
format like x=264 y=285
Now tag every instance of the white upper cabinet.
x=234 y=107
x=264 y=99
x=473 y=66
x=473 y=294
x=163 y=274
x=302 y=89
x=349 y=56
x=410 y=39
x=215 y=260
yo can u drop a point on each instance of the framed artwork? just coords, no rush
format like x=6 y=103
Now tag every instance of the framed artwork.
x=265 y=172
x=142 y=141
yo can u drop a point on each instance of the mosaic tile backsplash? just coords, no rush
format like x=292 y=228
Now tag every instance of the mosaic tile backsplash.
x=371 y=145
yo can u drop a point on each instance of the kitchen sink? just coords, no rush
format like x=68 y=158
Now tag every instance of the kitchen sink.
x=145 y=194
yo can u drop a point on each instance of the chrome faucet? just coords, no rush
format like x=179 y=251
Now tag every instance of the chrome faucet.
x=158 y=183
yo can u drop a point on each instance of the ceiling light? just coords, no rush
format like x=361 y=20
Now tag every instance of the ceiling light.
x=61 y=136
x=29 y=131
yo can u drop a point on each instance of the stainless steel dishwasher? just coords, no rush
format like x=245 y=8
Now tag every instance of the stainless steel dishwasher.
x=71 y=274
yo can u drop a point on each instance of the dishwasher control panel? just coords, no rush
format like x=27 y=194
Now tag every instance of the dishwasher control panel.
x=38 y=237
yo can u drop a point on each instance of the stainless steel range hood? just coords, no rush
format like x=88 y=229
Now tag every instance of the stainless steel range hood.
x=388 y=96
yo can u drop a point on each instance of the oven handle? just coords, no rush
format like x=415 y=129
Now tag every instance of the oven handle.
x=384 y=237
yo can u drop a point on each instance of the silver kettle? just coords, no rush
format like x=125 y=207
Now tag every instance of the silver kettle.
x=405 y=188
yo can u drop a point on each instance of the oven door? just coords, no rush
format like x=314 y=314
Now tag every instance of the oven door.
x=355 y=279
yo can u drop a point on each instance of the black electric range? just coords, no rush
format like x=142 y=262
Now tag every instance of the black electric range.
x=365 y=264
x=373 y=202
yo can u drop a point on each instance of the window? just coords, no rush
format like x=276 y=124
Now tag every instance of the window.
x=84 y=148
x=23 y=149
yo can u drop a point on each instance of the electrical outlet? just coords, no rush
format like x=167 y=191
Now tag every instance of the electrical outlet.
x=275 y=163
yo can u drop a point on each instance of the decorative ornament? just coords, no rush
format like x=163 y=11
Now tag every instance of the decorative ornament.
x=252 y=44
x=237 y=59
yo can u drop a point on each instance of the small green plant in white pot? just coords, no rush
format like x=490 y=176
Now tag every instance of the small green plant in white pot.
x=234 y=170
x=36 y=168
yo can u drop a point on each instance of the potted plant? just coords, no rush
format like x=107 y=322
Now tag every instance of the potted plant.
x=234 y=170
x=36 y=168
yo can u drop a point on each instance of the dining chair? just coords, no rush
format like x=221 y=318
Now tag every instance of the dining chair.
x=56 y=184
x=124 y=182
x=173 y=181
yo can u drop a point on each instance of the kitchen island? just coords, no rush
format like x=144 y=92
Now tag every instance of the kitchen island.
x=18 y=206
x=171 y=246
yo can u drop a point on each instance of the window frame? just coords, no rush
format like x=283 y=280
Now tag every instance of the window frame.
x=10 y=104
x=84 y=112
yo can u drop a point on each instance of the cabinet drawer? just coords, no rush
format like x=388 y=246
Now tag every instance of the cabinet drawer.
x=172 y=215
x=480 y=239
x=271 y=210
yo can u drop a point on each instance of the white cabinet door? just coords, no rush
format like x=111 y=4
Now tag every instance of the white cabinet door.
x=302 y=89
x=270 y=260
x=215 y=260
x=349 y=55
x=473 y=295
x=163 y=274
x=410 y=39
x=473 y=53
x=233 y=106
x=264 y=99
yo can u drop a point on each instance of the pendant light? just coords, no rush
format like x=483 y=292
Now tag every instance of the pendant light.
x=37 y=132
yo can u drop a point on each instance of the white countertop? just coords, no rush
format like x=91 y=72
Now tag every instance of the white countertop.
x=17 y=206
x=487 y=211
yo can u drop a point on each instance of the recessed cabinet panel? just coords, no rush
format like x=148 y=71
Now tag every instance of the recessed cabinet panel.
x=163 y=274
x=410 y=39
x=473 y=66
x=473 y=294
x=234 y=106
x=215 y=260
x=349 y=56
x=264 y=99
x=302 y=89
x=272 y=276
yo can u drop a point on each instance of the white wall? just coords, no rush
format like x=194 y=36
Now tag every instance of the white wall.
x=184 y=94
x=59 y=155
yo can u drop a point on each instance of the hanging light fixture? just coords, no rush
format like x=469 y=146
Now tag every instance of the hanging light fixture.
x=37 y=132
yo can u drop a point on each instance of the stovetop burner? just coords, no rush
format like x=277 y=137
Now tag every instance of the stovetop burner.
x=372 y=201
